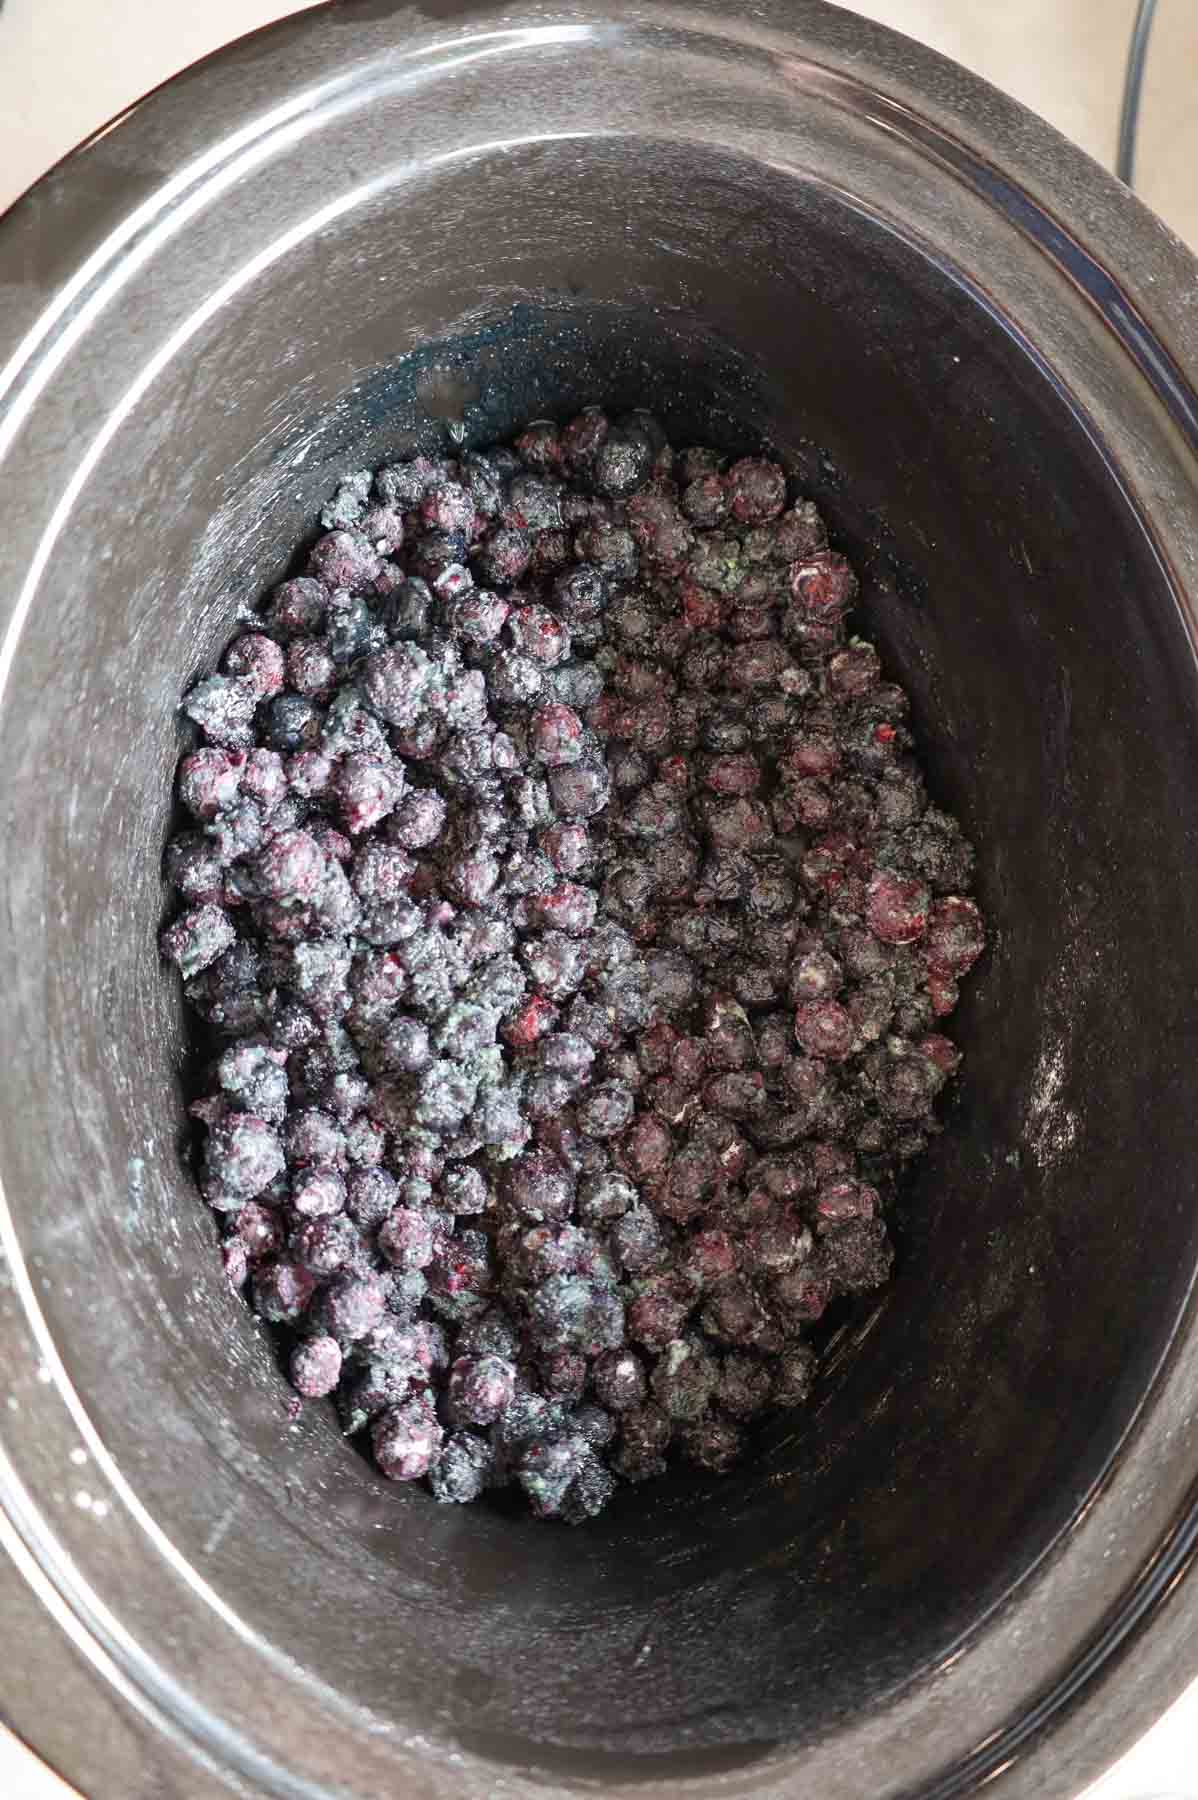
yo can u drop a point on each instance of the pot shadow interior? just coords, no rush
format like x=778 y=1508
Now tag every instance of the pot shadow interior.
x=1047 y=1241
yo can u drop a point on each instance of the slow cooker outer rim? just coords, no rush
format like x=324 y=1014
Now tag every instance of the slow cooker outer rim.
x=1048 y=1753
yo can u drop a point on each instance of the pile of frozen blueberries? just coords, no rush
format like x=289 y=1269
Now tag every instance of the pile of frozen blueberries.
x=570 y=929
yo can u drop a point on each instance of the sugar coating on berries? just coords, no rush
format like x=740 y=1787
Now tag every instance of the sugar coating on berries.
x=570 y=937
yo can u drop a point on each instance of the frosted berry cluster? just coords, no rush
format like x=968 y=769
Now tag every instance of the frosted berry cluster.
x=571 y=932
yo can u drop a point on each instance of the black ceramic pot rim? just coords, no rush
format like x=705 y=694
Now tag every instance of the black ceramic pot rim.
x=89 y=1695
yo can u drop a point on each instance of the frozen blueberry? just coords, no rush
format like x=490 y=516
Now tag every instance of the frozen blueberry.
x=223 y=707
x=644 y=1436
x=684 y=1378
x=242 y=1156
x=579 y=790
x=210 y=780
x=756 y=490
x=503 y=556
x=282 y=1291
x=539 y=445
x=546 y=1471
x=619 y=1377
x=491 y=1334
x=713 y=1443
x=606 y=1109
x=824 y=1029
x=345 y=559
x=514 y=679
x=292 y=723
x=317 y=1192
x=198 y=938
x=406 y=1440
x=732 y=1313
x=481 y=1388
x=419 y=819
x=407 y=1238
x=463 y=1470
x=571 y=1313
x=464 y=1190
x=593 y=1485
x=260 y=1229
x=405 y=1046
x=368 y=788
x=316 y=1367
x=296 y=609
x=556 y=736
x=622 y=461
x=538 y=1186
x=896 y=908
x=555 y=963
x=313 y=1136
x=351 y=1306
x=744 y=1388
x=956 y=936
x=326 y=1246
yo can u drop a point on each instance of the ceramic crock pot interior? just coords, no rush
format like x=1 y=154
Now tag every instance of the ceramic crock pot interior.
x=1045 y=1254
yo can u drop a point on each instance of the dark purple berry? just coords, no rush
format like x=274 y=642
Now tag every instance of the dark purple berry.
x=317 y=1192
x=316 y=1367
x=463 y=1470
x=259 y=1229
x=570 y=1313
x=406 y=1440
x=503 y=556
x=619 y=1377
x=481 y=1388
x=282 y=1291
x=539 y=1186
x=644 y=1435
x=197 y=939
x=407 y=1238
x=956 y=937
x=345 y=559
x=351 y=1306
x=296 y=609
x=896 y=908
x=242 y=1156
x=824 y=1029
x=712 y=1443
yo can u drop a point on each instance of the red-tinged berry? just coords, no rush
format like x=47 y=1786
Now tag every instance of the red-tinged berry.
x=316 y=1367
x=956 y=937
x=555 y=735
x=756 y=490
x=838 y=1201
x=406 y=1440
x=943 y=993
x=855 y=672
x=198 y=939
x=897 y=907
x=209 y=780
x=824 y=1029
x=258 y=658
x=823 y=585
x=702 y=609
x=736 y=774
x=481 y=1388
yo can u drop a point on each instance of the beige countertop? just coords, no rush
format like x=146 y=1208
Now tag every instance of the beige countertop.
x=67 y=66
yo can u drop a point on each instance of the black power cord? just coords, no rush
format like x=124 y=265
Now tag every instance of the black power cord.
x=1133 y=82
